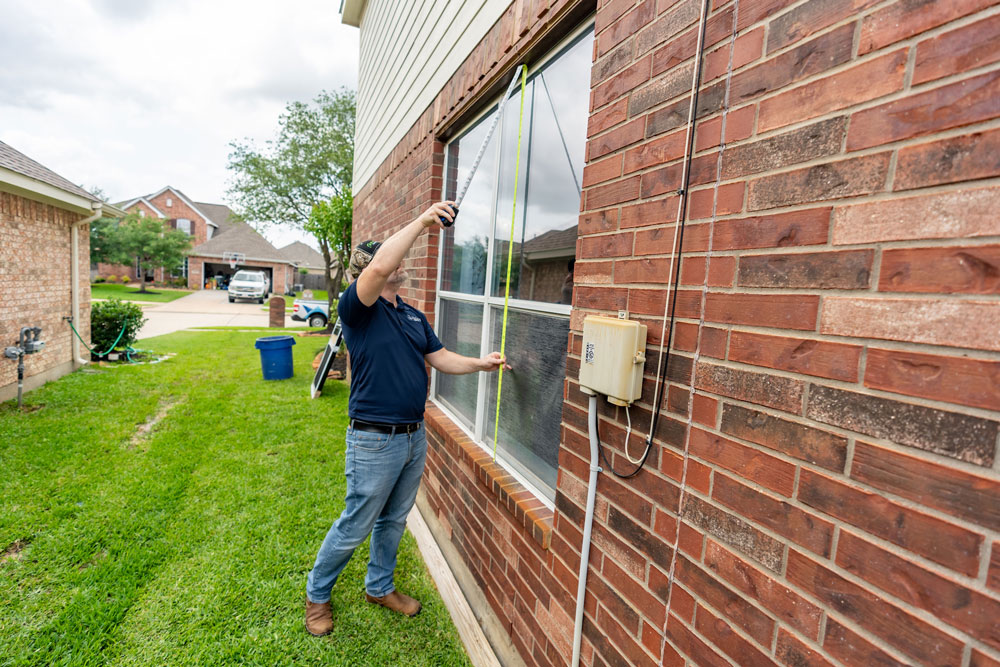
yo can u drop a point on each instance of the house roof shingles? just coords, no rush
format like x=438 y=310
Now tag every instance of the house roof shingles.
x=303 y=255
x=13 y=159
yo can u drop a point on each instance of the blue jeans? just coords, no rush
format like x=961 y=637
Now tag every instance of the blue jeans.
x=383 y=474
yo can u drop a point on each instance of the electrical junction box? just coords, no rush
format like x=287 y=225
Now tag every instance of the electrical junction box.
x=613 y=358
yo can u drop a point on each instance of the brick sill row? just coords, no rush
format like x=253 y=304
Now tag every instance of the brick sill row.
x=522 y=504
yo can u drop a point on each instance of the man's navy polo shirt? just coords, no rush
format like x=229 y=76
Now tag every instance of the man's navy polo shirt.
x=387 y=347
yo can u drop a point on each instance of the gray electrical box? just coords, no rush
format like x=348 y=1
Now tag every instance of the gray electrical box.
x=612 y=358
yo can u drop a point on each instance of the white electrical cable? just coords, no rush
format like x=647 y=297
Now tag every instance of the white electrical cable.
x=628 y=432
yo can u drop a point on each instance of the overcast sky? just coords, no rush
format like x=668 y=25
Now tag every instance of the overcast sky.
x=133 y=95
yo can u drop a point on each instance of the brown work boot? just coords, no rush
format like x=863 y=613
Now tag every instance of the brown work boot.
x=396 y=601
x=319 y=620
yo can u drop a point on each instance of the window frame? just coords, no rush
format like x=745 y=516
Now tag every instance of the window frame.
x=477 y=434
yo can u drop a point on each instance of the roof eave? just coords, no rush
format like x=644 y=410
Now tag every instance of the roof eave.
x=351 y=12
x=31 y=188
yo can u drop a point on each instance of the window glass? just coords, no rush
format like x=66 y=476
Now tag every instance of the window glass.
x=474 y=255
x=460 y=329
x=465 y=243
x=532 y=395
x=184 y=225
x=552 y=159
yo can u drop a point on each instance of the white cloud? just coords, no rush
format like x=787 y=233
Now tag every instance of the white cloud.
x=133 y=95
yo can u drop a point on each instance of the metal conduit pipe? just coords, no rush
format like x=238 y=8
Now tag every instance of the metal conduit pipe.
x=588 y=523
x=98 y=211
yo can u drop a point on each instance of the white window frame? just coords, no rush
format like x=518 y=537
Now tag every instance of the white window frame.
x=478 y=433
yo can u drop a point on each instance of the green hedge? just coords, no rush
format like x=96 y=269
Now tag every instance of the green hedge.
x=107 y=319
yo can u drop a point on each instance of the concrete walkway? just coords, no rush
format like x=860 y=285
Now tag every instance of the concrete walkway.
x=204 y=308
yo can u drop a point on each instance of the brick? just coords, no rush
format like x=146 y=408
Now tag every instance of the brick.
x=720 y=271
x=907 y=18
x=713 y=342
x=682 y=47
x=964 y=158
x=625 y=27
x=791 y=651
x=612 y=63
x=609 y=12
x=955 y=380
x=722 y=635
x=642 y=270
x=710 y=202
x=618 y=138
x=798 y=228
x=640 y=537
x=593 y=272
x=607 y=117
x=947 y=270
x=932 y=538
x=635 y=592
x=661 y=181
x=746 y=49
x=598 y=221
x=815 y=56
x=651 y=302
x=675 y=115
x=852 y=649
x=956 y=492
x=602 y=170
x=803 y=528
x=679 y=17
x=993 y=574
x=740 y=123
x=805 y=443
x=900 y=629
x=863 y=82
x=674 y=83
x=734 y=531
x=764 y=310
x=957 y=51
x=770 y=472
x=932 y=321
x=739 y=611
x=606 y=245
x=784 y=603
x=954 y=105
x=613 y=193
x=967 y=610
x=776 y=392
x=653 y=153
x=705 y=410
x=692 y=646
x=951 y=434
x=814 y=141
x=811 y=357
x=752 y=11
x=600 y=298
x=980 y=659
x=620 y=84
x=942 y=215
x=832 y=180
x=824 y=270
x=809 y=18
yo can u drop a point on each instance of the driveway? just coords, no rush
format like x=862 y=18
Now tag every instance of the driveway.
x=204 y=308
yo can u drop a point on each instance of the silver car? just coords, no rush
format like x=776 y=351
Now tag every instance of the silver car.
x=249 y=285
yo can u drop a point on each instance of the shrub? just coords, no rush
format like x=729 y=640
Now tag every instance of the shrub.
x=180 y=282
x=107 y=319
x=99 y=279
x=112 y=278
x=125 y=280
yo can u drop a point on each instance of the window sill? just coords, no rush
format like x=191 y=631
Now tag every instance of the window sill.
x=520 y=502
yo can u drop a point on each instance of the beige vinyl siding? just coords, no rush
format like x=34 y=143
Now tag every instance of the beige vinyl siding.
x=409 y=50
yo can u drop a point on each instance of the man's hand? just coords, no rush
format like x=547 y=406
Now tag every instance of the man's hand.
x=492 y=362
x=432 y=216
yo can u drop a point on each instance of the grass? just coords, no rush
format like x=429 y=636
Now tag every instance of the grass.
x=168 y=514
x=128 y=293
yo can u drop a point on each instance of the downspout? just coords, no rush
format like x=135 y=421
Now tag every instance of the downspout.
x=96 y=207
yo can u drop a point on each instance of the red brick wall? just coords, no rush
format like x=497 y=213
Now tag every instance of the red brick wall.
x=833 y=398
x=35 y=282
x=178 y=209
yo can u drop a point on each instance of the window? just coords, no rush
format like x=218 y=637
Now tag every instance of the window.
x=170 y=202
x=184 y=225
x=472 y=273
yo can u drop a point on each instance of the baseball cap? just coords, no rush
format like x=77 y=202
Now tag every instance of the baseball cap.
x=362 y=255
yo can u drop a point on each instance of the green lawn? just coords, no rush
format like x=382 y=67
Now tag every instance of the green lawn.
x=128 y=293
x=188 y=543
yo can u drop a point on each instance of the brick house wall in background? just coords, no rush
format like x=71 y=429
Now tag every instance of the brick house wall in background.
x=833 y=376
x=35 y=281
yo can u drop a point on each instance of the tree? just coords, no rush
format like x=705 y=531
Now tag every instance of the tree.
x=330 y=223
x=139 y=238
x=310 y=164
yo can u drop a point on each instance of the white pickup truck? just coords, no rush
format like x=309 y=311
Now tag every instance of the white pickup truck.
x=249 y=285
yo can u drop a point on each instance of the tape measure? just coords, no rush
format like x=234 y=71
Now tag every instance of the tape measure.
x=510 y=255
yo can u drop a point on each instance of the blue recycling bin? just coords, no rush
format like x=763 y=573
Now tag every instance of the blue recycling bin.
x=276 y=356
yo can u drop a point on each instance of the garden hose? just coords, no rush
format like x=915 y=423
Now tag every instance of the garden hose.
x=128 y=350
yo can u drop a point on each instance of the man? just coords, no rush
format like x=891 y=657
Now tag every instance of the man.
x=389 y=342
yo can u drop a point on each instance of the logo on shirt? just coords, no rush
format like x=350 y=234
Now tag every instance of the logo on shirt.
x=412 y=317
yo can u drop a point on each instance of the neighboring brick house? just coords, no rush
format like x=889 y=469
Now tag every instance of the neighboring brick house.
x=826 y=457
x=43 y=217
x=306 y=257
x=207 y=224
